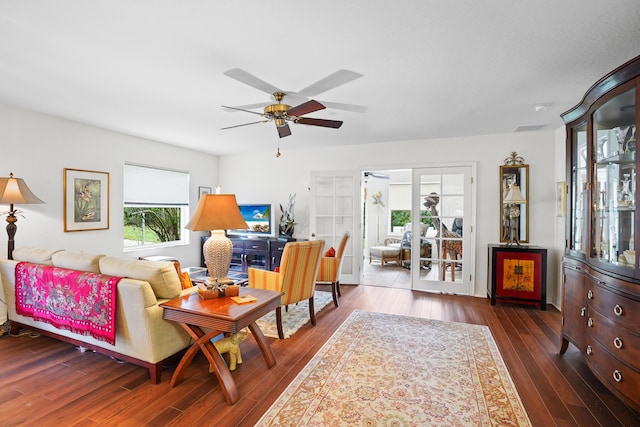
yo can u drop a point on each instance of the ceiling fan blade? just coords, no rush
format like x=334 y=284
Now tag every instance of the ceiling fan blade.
x=345 y=107
x=307 y=107
x=245 y=124
x=251 y=80
x=334 y=80
x=284 y=130
x=335 y=124
x=242 y=109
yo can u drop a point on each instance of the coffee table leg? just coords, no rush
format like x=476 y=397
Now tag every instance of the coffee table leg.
x=203 y=342
x=263 y=344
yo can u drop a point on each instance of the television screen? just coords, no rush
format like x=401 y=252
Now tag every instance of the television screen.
x=257 y=217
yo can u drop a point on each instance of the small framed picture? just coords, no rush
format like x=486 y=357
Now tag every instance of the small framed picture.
x=203 y=190
x=560 y=198
x=86 y=200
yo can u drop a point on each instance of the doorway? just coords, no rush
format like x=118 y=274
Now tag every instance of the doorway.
x=437 y=254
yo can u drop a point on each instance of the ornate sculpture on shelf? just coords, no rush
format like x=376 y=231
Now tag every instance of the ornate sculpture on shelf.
x=286 y=219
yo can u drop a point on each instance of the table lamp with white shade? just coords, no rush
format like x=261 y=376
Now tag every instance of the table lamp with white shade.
x=514 y=199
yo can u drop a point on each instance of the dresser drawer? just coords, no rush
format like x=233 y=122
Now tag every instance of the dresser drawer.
x=617 y=340
x=619 y=309
x=619 y=376
x=256 y=246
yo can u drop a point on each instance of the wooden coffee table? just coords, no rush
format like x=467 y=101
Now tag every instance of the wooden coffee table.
x=220 y=315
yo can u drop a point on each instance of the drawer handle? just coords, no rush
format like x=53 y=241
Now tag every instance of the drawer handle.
x=590 y=294
x=590 y=322
x=617 y=376
x=617 y=310
x=583 y=312
x=617 y=343
x=589 y=350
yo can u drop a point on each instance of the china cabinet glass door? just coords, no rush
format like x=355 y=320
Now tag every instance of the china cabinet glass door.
x=613 y=193
x=578 y=187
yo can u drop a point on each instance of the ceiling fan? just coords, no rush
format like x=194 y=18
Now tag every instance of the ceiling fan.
x=379 y=175
x=283 y=114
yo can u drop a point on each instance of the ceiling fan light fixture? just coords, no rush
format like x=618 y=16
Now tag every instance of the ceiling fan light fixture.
x=276 y=109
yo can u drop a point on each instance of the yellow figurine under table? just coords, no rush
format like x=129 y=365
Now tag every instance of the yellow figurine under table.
x=230 y=345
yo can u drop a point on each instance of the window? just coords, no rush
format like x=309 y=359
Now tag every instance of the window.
x=400 y=206
x=156 y=207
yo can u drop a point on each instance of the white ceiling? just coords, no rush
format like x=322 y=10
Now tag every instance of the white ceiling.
x=431 y=68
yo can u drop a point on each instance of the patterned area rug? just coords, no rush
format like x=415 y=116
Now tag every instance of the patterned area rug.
x=389 y=370
x=294 y=317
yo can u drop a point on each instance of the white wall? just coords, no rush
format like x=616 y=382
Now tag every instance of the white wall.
x=261 y=177
x=561 y=175
x=38 y=147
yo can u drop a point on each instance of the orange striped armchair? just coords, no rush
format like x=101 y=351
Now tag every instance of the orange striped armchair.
x=330 y=268
x=296 y=277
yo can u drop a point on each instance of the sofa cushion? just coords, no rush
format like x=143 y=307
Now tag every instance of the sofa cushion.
x=161 y=275
x=34 y=255
x=75 y=260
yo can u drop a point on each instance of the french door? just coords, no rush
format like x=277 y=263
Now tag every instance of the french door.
x=445 y=253
x=335 y=210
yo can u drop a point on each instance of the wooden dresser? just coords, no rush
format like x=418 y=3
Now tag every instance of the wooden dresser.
x=601 y=283
x=601 y=316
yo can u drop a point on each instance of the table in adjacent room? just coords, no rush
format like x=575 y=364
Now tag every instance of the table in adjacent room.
x=220 y=315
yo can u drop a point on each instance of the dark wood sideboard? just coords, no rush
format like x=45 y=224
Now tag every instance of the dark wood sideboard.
x=264 y=252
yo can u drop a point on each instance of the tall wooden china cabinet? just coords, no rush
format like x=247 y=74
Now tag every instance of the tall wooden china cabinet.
x=601 y=281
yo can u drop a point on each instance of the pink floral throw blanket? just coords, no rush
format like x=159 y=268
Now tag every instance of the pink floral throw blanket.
x=82 y=302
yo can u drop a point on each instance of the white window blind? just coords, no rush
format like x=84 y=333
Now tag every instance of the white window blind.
x=400 y=195
x=146 y=185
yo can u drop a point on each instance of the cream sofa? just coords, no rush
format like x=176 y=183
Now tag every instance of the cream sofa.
x=143 y=337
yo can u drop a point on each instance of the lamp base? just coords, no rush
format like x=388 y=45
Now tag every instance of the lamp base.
x=513 y=232
x=217 y=251
x=11 y=232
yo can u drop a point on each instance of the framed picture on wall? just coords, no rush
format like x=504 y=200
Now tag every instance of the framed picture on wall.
x=203 y=190
x=560 y=199
x=86 y=200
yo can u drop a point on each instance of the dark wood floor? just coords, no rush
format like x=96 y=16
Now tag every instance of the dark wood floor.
x=45 y=382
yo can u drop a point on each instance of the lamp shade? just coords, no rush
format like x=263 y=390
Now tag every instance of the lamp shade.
x=217 y=212
x=15 y=191
x=514 y=196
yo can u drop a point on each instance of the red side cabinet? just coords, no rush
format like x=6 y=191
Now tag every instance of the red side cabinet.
x=518 y=274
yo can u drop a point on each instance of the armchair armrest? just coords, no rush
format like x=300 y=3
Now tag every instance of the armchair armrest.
x=264 y=279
